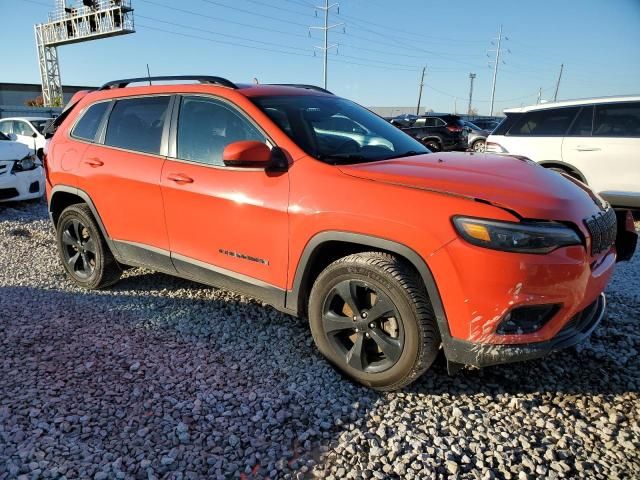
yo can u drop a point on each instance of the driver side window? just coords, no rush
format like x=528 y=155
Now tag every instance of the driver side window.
x=206 y=126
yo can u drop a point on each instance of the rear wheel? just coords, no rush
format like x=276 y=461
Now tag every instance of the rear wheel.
x=371 y=318
x=83 y=250
x=478 y=146
x=432 y=145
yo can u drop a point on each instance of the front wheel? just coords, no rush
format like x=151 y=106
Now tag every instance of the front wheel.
x=432 y=145
x=371 y=318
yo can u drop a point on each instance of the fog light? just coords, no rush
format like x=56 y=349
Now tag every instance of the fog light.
x=527 y=319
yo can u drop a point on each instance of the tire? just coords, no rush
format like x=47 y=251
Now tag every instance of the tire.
x=380 y=283
x=432 y=145
x=479 y=146
x=83 y=250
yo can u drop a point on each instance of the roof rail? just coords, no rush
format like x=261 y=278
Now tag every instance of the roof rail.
x=200 y=78
x=302 y=85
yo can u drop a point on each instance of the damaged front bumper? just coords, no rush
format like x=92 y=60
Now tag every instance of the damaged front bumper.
x=580 y=327
x=22 y=185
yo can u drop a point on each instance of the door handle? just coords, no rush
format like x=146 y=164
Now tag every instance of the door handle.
x=94 y=162
x=583 y=148
x=179 y=178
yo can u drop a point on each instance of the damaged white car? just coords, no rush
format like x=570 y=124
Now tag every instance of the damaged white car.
x=21 y=172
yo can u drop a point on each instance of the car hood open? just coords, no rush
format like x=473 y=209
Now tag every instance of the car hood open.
x=514 y=183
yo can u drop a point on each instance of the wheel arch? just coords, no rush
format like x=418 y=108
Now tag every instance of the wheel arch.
x=564 y=166
x=62 y=196
x=328 y=246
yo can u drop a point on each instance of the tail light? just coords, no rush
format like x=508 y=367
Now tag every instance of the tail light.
x=452 y=127
x=493 y=147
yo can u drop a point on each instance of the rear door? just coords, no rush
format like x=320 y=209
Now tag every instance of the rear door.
x=121 y=174
x=608 y=154
x=538 y=135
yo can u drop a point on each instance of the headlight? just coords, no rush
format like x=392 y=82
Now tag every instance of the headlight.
x=525 y=237
x=27 y=163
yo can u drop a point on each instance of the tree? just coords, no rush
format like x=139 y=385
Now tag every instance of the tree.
x=35 y=102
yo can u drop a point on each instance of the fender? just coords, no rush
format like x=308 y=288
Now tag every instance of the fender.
x=568 y=166
x=86 y=199
x=293 y=296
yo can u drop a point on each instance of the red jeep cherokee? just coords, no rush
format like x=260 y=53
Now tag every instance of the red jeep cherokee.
x=324 y=210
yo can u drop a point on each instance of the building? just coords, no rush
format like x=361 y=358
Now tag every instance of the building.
x=14 y=98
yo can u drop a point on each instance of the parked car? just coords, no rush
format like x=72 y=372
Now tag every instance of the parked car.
x=476 y=137
x=21 y=175
x=438 y=132
x=486 y=123
x=28 y=130
x=596 y=141
x=389 y=251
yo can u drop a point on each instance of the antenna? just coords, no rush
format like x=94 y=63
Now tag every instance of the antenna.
x=82 y=21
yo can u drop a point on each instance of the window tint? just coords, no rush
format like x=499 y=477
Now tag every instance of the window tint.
x=582 y=126
x=136 y=124
x=88 y=125
x=206 y=126
x=545 y=122
x=621 y=120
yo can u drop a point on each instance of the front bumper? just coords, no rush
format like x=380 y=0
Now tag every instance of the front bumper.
x=483 y=355
x=21 y=185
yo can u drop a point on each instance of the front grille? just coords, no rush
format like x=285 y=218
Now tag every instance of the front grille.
x=7 y=193
x=603 y=229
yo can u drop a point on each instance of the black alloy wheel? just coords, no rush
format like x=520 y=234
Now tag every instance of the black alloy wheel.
x=79 y=248
x=363 y=326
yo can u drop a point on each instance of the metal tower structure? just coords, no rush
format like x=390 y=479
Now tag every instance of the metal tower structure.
x=83 y=21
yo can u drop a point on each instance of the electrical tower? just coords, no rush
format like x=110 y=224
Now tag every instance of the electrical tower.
x=472 y=77
x=499 y=40
x=85 y=20
x=326 y=47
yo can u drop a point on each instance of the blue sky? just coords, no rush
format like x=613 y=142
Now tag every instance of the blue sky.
x=382 y=49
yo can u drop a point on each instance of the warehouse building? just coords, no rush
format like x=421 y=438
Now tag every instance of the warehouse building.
x=16 y=99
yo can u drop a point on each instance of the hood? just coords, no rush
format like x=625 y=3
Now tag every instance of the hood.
x=514 y=183
x=13 y=150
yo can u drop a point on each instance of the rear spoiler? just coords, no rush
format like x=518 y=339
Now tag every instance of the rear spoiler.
x=52 y=125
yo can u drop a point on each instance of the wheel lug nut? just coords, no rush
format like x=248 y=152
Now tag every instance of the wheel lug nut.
x=364 y=314
x=372 y=325
x=355 y=318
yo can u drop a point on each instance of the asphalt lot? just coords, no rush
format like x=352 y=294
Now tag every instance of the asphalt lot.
x=163 y=378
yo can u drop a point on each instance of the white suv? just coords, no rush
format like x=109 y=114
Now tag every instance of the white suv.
x=594 y=140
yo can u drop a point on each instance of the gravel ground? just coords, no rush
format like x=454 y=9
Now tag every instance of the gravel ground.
x=164 y=378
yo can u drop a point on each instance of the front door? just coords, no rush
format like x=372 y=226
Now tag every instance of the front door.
x=227 y=226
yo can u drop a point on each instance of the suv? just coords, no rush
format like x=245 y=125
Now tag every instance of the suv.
x=390 y=252
x=596 y=141
x=437 y=132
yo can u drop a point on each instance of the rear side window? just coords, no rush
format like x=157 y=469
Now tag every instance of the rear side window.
x=551 y=122
x=137 y=123
x=583 y=124
x=87 y=126
x=619 y=120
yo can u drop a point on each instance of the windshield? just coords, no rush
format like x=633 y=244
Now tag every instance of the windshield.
x=39 y=124
x=473 y=126
x=337 y=130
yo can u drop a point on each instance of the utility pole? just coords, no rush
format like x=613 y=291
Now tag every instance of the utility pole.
x=495 y=67
x=539 y=96
x=472 y=76
x=455 y=105
x=420 y=90
x=555 y=96
x=326 y=47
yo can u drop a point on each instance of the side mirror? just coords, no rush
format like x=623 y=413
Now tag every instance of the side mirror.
x=35 y=135
x=254 y=154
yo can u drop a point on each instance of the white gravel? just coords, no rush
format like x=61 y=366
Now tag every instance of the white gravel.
x=163 y=378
